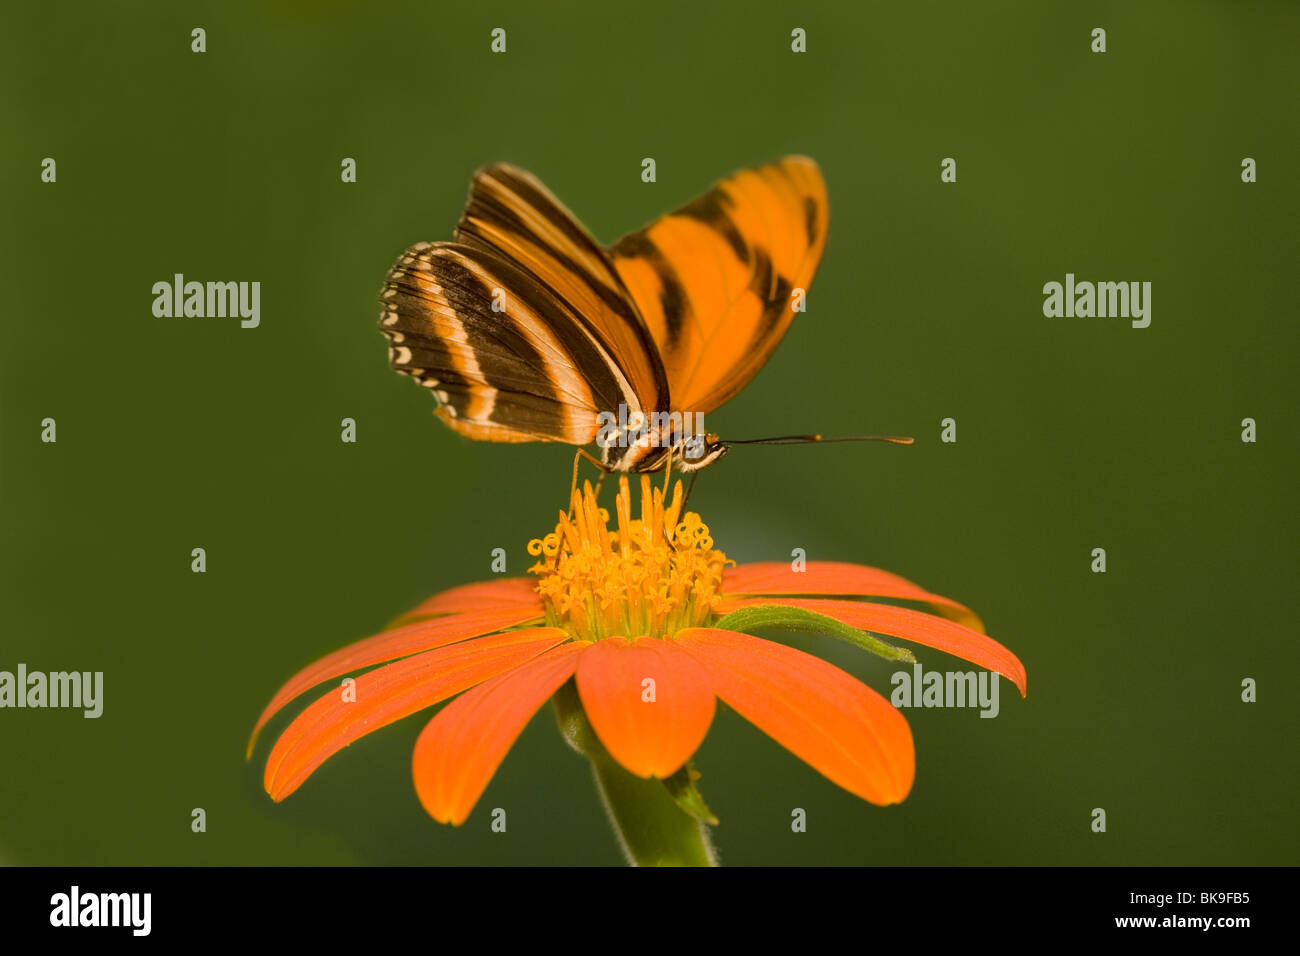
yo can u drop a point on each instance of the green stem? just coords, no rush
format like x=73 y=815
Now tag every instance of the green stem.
x=652 y=829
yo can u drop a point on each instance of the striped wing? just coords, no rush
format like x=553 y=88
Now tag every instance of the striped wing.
x=512 y=215
x=533 y=371
x=714 y=280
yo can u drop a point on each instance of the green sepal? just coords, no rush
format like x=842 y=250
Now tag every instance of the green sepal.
x=748 y=619
x=681 y=787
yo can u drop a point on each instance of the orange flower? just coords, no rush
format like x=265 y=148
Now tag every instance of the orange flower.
x=650 y=600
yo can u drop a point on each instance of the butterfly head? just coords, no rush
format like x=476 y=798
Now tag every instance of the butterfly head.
x=698 y=451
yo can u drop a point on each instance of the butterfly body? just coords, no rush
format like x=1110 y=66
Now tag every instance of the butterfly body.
x=526 y=329
x=687 y=453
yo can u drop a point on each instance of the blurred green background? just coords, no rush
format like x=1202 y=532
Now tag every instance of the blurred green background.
x=1072 y=433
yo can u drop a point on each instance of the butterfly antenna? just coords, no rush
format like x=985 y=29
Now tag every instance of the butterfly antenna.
x=810 y=439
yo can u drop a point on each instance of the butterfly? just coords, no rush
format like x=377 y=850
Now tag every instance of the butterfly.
x=526 y=329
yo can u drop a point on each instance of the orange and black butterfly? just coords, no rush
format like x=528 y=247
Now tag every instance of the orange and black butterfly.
x=526 y=329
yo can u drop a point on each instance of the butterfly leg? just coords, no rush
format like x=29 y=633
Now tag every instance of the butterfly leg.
x=573 y=488
x=689 y=488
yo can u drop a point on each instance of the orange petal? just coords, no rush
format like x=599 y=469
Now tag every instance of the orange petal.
x=909 y=625
x=461 y=748
x=499 y=593
x=390 y=693
x=651 y=738
x=836 y=577
x=391 y=645
x=835 y=723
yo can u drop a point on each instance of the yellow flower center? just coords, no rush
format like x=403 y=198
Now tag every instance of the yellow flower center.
x=649 y=576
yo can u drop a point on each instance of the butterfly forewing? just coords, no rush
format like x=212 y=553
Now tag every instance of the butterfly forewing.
x=714 y=280
x=512 y=215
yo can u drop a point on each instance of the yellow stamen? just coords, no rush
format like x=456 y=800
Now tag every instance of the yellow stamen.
x=648 y=576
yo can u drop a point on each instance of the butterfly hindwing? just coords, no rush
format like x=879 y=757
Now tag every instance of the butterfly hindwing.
x=714 y=280
x=529 y=369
